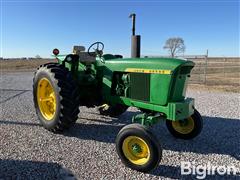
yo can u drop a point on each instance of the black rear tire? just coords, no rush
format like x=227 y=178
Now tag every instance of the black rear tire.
x=143 y=137
x=66 y=93
x=112 y=110
x=184 y=131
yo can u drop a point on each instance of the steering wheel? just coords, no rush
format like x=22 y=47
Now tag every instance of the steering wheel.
x=96 y=49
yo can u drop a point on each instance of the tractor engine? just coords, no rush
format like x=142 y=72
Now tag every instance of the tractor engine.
x=121 y=83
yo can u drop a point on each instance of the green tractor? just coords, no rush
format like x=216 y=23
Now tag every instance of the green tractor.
x=156 y=86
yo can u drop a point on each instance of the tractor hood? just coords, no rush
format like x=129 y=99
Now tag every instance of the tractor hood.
x=147 y=65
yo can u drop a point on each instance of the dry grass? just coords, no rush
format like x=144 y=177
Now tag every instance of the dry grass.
x=216 y=79
x=215 y=88
x=22 y=65
x=223 y=73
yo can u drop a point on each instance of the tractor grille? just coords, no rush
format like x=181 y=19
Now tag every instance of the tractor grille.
x=140 y=86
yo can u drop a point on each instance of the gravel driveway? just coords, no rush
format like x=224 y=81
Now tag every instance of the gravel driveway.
x=87 y=150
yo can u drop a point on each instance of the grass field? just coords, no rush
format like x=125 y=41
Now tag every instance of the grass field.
x=216 y=72
x=22 y=65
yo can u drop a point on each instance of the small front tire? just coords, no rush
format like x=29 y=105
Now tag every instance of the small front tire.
x=138 y=148
x=188 y=128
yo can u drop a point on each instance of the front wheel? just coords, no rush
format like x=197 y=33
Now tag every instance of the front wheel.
x=138 y=148
x=187 y=128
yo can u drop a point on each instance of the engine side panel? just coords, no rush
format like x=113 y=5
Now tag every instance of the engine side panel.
x=140 y=86
x=159 y=89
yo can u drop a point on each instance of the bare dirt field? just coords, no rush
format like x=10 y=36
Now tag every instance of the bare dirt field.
x=22 y=65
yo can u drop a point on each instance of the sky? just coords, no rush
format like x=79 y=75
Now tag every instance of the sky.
x=35 y=27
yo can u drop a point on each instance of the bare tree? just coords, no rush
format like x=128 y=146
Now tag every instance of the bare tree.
x=175 y=45
x=38 y=57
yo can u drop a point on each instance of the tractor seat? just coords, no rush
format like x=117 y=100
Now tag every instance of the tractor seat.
x=111 y=56
x=83 y=56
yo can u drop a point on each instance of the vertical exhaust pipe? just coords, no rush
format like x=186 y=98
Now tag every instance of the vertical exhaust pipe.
x=135 y=40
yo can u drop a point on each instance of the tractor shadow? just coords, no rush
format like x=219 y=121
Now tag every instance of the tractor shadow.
x=103 y=129
x=219 y=135
x=25 y=169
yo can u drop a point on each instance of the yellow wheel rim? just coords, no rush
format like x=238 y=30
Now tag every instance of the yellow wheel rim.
x=104 y=106
x=184 y=127
x=46 y=99
x=136 y=150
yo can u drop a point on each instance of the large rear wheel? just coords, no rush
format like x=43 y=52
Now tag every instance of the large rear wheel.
x=112 y=110
x=55 y=96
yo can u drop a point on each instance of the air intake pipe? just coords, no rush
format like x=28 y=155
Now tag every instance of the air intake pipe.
x=135 y=40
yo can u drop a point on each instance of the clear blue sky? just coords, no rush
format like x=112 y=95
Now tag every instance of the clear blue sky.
x=36 y=27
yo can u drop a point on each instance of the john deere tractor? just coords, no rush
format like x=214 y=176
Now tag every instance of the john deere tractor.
x=156 y=86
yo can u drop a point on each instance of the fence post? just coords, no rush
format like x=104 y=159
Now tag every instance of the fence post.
x=199 y=72
x=205 y=68
x=224 y=71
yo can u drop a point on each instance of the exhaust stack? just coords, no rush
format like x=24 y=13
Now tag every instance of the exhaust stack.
x=135 y=40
